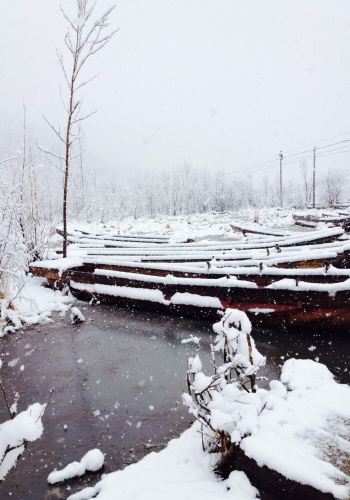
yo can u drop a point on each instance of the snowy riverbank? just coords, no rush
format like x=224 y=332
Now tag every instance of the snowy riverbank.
x=33 y=304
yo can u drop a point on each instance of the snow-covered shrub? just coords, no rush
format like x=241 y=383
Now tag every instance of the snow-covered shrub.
x=16 y=433
x=225 y=402
x=26 y=223
x=288 y=427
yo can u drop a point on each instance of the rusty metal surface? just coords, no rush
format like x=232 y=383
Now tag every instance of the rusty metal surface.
x=292 y=308
x=120 y=352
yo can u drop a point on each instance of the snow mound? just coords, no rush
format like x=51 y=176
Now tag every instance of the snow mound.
x=304 y=374
x=92 y=461
x=303 y=417
x=76 y=316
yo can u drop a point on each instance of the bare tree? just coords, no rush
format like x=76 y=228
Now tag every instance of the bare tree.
x=87 y=34
x=334 y=183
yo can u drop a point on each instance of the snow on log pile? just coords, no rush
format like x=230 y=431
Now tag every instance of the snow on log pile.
x=257 y=229
x=105 y=266
x=117 y=273
x=58 y=265
x=293 y=285
x=230 y=281
x=121 y=291
x=146 y=295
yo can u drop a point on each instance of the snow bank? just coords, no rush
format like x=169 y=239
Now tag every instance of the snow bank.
x=296 y=427
x=182 y=471
x=24 y=427
x=305 y=374
x=34 y=305
x=92 y=461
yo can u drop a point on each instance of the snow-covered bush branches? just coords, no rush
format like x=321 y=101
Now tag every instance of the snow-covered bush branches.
x=16 y=432
x=26 y=218
x=221 y=402
x=286 y=426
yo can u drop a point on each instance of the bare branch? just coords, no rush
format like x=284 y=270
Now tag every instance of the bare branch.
x=62 y=101
x=5 y=399
x=56 y=131
x=61 y=63
x=68 y=43
x=86 y=82
x=96 y=46
x=67 y=18
x=8 y=159
x=47 y=151
x=77 y=120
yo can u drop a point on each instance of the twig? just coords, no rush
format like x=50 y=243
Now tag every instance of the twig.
x=47 y=404
x=6 y=402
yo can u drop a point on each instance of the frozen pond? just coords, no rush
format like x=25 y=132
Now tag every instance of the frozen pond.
x=118 y=380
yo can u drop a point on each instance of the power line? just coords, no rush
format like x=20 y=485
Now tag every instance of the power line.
x=322 y=154
x=299 y=154
x=315 y=143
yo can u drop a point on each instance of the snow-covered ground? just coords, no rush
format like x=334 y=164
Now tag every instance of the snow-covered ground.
x=33 y=304
x=302 y=425
x=181 y=471
x=297 y=428
x=202 y=225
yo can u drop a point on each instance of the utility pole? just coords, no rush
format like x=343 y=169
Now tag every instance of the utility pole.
x=314 y=180
x=281 y=183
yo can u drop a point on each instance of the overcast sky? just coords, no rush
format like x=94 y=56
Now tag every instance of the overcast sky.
x=215 y=83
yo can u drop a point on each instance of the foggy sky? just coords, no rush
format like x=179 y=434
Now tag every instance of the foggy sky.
x=216 y=83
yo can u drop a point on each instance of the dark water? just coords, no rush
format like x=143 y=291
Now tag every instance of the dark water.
x=118 y=380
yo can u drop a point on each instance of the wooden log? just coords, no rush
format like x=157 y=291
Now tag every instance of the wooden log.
x=271 y=484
